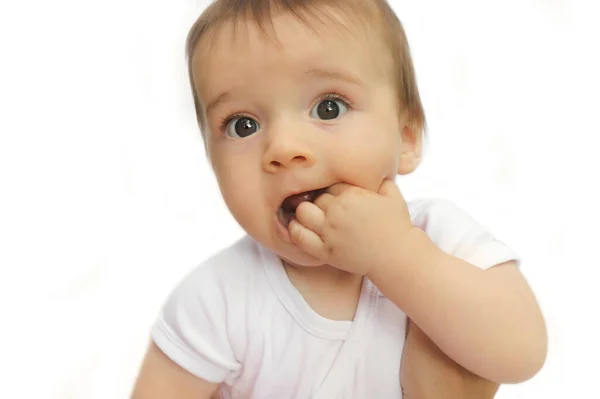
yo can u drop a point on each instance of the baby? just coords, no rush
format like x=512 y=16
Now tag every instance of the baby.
x=309 y=109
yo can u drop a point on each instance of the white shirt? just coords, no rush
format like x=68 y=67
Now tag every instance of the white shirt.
x=238 y=320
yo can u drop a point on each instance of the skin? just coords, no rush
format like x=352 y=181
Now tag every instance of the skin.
x=161 y=378
x=278 y=84
x=294 y=152
x=427 y=373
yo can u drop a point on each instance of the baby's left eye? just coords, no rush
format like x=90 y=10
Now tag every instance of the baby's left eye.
x=329 y=109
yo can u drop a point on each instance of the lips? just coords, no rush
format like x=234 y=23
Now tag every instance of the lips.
x=287 y=210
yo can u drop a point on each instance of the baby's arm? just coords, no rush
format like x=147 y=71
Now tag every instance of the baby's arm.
x=488 y=321
x=191 y=351
x=161 y=378
x=427 y=373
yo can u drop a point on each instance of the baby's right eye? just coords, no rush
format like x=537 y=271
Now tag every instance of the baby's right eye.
x=241 y=127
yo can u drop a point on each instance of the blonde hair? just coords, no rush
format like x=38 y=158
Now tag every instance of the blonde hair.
x=376 y=13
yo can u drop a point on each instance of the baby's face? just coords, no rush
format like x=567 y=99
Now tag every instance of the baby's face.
x=292 y=116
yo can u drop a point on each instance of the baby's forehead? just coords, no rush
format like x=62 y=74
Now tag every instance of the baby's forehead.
x=291 y=41
x=275 y=28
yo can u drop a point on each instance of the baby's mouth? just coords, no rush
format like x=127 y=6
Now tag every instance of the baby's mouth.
x=287 y=210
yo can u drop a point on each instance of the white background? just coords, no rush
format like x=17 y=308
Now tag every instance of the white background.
x=106 y=199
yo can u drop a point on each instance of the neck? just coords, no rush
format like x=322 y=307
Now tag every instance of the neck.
x=330 y=292
x=322 y=276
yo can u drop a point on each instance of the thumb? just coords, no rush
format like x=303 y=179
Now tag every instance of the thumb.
x=389 y=189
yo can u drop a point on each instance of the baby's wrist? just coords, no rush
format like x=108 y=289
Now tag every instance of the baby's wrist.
x=412 y=250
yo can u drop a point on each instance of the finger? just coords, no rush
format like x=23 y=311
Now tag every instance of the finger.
x=323 y=201
x=311 y=216
x=307 y=240
x=339 y=188
x=389 y=189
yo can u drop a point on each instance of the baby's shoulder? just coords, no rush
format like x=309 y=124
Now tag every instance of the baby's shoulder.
x=425 y=210
x=441 y=219
x=224 y=289
x=204 y=322
x=455 y=232
x=230 y=268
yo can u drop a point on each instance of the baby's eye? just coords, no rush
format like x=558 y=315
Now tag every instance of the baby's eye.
x=242 y=127
x=329 y=109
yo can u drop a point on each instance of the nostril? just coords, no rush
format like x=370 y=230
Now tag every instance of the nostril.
x=283 y=162
x=294 y=160
x=299 y=158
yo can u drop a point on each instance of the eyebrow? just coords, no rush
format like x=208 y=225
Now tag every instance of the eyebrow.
x=335 y=75
x=315 y=72
x=223 y=97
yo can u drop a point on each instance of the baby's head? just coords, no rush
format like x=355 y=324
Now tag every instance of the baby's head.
x=293 y=96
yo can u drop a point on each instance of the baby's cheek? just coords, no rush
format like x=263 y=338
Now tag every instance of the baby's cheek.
x=240 y=195
x=367 y=165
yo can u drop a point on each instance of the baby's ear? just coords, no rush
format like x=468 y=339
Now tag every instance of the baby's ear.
x=410 y=149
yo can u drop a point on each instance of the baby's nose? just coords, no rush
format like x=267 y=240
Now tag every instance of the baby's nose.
x=287 y=152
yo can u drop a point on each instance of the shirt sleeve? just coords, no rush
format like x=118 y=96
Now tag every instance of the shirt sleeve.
x=192 y=327
x=458 y=234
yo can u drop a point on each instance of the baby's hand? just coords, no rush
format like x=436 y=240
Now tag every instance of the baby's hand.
x=353 y=229
x=427 y=373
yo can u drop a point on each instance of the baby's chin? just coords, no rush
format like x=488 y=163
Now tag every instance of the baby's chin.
x=300 y=260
